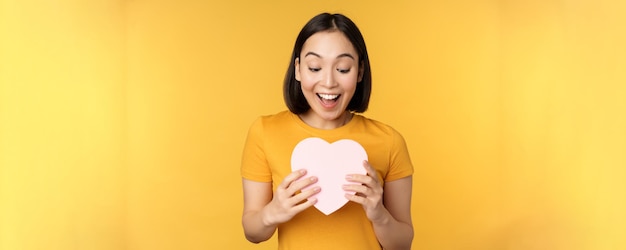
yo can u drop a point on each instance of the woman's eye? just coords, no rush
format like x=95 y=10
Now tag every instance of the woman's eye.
x=343 y=71
x=314 y=69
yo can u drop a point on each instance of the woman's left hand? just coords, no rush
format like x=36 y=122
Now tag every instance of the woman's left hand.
x=369 y=192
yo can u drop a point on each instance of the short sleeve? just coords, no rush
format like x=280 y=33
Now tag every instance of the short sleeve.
x=254 y=164
x=400 y=161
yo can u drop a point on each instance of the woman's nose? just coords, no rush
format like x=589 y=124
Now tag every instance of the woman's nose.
x=329 y=79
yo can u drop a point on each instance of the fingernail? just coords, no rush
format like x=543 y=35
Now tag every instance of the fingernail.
x=349 y=177
x=313 y=178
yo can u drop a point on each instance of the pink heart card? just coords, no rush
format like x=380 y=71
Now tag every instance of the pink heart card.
x=330 y=163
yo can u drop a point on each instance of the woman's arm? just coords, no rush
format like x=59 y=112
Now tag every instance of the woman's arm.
x=264 y=211
x=395 y=231
x=255 y=196
x=389 y=212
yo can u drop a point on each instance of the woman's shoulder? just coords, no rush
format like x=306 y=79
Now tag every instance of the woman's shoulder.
x=279 y=117
x=375 y=125
x=382 y=132
x=379 y=129
x=272 y=120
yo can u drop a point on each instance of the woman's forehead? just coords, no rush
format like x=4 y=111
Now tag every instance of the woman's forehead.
x=328 y=44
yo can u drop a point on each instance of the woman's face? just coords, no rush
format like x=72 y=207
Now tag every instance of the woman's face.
x=328 y=71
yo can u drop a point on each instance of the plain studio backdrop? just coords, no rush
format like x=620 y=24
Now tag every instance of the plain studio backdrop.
x=122 y=122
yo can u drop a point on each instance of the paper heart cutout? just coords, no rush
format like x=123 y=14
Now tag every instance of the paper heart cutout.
x=330 y=163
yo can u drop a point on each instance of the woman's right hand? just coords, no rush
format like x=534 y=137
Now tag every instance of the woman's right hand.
x=289 y=199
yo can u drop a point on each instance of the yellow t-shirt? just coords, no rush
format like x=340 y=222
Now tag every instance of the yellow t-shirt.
x=267 y=158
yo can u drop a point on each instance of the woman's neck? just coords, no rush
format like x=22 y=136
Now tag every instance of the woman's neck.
x=318 y=122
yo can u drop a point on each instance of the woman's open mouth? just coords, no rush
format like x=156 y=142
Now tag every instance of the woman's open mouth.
x=328 y=100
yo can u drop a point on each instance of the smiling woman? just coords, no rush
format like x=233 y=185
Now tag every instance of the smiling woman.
x=351 y=45
x=327 y=83
x=328 y=75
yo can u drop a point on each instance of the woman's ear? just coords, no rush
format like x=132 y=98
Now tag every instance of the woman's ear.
x=361 y=71
x=296 y=64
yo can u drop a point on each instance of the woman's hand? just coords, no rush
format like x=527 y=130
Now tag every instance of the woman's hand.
x=369 y=192
x=391 y=221
x=289 y=199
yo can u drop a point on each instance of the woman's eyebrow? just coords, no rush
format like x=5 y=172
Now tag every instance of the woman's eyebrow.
x=346 y=55
x=310 y=53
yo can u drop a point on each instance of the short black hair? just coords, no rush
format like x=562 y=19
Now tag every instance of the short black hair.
x=292 y=91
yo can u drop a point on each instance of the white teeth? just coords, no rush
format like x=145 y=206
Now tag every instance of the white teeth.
x=328 y=96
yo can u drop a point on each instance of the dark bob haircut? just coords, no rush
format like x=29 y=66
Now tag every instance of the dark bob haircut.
x=292 y=91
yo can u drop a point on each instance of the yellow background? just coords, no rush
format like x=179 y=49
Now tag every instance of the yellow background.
x=122 y=122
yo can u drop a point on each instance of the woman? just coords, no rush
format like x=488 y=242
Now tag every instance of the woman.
x=327 y=84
